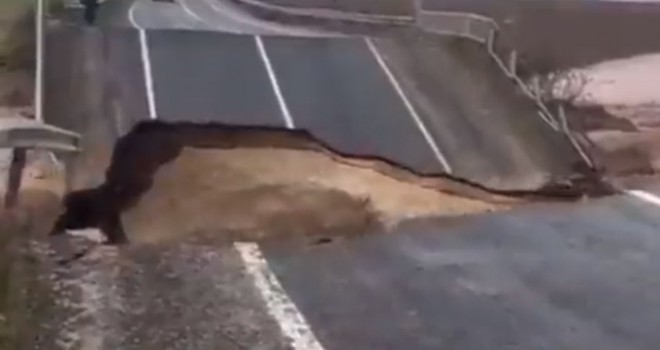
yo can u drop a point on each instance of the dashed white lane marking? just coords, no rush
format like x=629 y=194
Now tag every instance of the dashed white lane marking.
x=273 y=80
x=645 y=196
x=148 y=77
x=413 y=113
x=287 y=315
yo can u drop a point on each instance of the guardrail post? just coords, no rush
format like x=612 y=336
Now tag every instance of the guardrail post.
x=15 y=176
x=468 y=28
x=536 y=86
x=513 y=62
x=39 y=69
x=491 y=41
x=561 y=113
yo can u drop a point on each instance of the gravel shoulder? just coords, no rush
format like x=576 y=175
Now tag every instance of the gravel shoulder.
x=25 y=298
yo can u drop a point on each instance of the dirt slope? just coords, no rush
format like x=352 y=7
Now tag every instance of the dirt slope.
x=258 y=193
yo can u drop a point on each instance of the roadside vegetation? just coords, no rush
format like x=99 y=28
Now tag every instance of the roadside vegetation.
x=16 y=51
x=16 y=31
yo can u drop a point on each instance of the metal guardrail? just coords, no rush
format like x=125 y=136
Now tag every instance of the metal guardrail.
x=485 y=31
x=18 y=132
x=34 y=133
x=39 y=20
x=21 y=134
x=467 y=25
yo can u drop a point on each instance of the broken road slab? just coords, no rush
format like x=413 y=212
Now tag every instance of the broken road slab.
x=549 y=276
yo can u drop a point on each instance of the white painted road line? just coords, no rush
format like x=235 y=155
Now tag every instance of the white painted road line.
x=148 y=77
x=131 y=16
x=190 y=12
x=413 y=113
x=273 y=80
x=227 y=15
x=39 y=74
x=291 y=321
x=146 y=62
x=645 y=196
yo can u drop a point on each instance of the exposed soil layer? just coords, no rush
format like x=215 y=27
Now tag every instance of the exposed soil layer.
x=251 y=183
x=617 y=145
x=258 y=193
x=245 y=183
x=628 y=153
x=564 y=34
x=594 y=118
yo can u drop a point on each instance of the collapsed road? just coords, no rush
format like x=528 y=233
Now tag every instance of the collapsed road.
x=374 y=181
x=379 y=97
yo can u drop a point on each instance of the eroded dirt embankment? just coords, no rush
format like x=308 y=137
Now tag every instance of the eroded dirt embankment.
x=616 y=105
x=220 y=182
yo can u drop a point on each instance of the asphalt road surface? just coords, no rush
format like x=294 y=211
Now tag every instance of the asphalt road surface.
x=335 y=89
x=84 y=92
x=418 y=104
x=211 y=77
x=545 y=277
x=568 y=276
x=205 y=15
